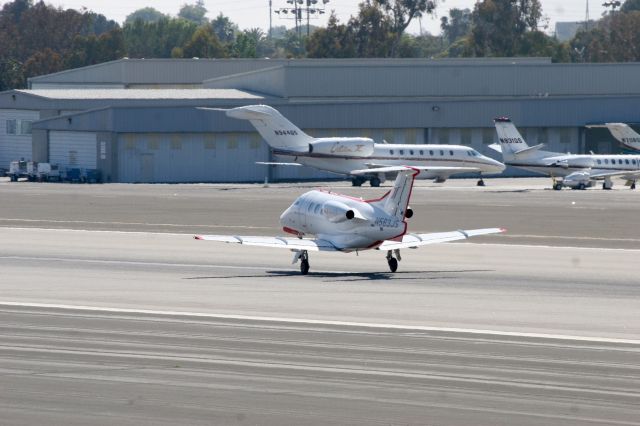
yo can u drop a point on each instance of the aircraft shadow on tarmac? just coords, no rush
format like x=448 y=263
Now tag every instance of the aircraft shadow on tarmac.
x=353 y=276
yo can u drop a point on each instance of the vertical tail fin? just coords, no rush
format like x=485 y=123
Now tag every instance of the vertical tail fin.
x=273 y=127
x=510 y=139
x=396 y=201
x=624 y=134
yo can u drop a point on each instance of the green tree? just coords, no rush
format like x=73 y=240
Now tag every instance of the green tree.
x=224 y=29
x=291 y=45
x=43 y=62
x=615 y=38
x=630 y=5
x=204 y=44
x=157 y=39
x=499 y=26
x=92 y=49
x=456 y=25
x=401 y=13
x=373 y=32
x=146 y=14
x=248 y=43
x=334 y=41
x=423 y=46
x=194 y=12
x=35 y=38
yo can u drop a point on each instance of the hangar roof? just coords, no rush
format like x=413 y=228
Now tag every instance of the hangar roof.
x=444 y=79
x=84 y=99
x=153 y=73
x=141 y=94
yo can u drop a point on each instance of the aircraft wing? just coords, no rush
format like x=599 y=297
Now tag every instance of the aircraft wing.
x=390 y=169
x=269 y=163
x=277 y=242
x=416 y=240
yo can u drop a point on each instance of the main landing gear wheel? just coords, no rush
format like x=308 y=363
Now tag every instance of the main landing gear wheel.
x=358 y=181
x=392 y=261
x=375 y=182
x=480 y=182
x=393 y=264
x=633 y=185
x=304 y=263
x=557 y=186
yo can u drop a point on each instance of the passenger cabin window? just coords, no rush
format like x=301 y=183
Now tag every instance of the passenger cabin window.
x=620 y=161
x=626 y=161
x=391 y=151
x=402 y=152
x=450 y=152
x=606 y=161
x=441 y=152
x=421 y=152
x=411 y=152
x=599 y=161
x=633 y=162
x=431 y=152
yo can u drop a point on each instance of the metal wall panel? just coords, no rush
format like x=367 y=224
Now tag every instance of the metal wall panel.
x=15 y=146
x=190 y=157
x=73 y=149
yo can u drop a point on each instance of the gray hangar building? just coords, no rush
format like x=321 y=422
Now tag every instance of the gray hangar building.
x=136 y=120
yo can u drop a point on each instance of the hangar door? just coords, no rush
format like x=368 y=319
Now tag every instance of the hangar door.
x=191 y=157
x=73 y=149
x=15 y=135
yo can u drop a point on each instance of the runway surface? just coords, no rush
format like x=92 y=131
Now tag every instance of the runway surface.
x=76 y=367
x=113 y=314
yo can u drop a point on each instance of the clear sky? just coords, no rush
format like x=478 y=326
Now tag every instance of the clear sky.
x=255 y=13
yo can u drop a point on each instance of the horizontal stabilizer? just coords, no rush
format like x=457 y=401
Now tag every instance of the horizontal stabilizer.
x=416 y=240
x=393 y=169
x=267 y=163
x=212 y=109
x=529 y=149
x=496 y=147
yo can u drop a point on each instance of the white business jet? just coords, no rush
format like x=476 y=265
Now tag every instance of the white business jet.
x=623 y=133
x=577 y=171
x=347 y=224
x=343 y=155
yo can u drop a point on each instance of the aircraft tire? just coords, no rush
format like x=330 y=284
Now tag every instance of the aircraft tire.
x=304 y=267
x=393 y=264
x=375 y=182
x=557 y=186
x=582 y=186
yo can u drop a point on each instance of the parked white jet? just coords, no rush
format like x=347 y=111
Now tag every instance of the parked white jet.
x=343 y=155
x=347 y=224
x=576 y=171
x=623 y=133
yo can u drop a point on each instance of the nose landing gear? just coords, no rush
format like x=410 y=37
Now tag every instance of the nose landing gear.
x=392 y=261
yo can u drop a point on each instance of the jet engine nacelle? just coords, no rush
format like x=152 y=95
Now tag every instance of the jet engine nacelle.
x=336 y=212
x=342 y=147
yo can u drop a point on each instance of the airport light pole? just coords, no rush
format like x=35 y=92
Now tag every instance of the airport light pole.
x=300 y=7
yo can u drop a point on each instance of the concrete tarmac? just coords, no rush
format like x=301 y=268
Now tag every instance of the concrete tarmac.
x=113 y=314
